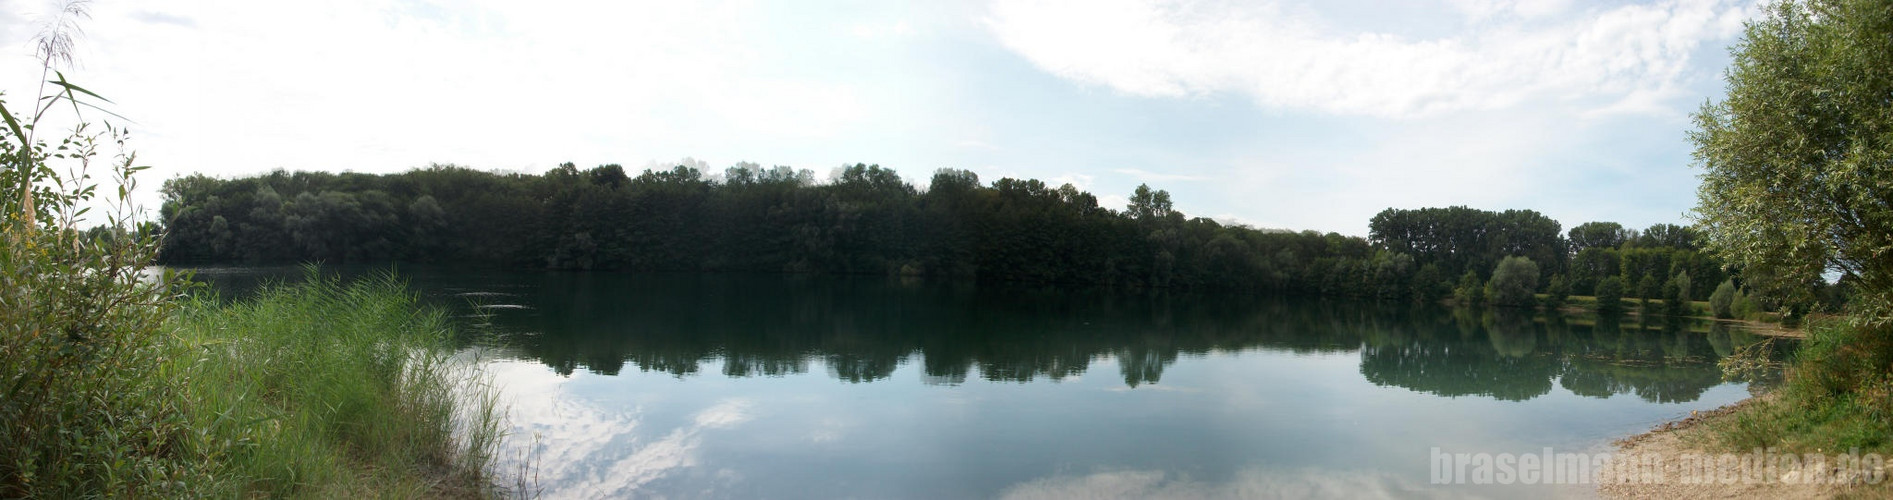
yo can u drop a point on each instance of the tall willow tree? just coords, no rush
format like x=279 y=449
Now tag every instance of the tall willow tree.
x=1798 y=158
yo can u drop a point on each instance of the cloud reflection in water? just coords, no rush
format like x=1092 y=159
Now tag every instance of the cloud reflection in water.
x=1248 y=483
x=578 y=449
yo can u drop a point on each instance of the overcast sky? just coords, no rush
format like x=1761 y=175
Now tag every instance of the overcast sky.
x=1312 y=114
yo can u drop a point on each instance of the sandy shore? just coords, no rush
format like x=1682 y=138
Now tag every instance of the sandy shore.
x=1665 y=463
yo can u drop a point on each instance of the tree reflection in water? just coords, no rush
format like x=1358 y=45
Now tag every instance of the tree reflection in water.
x=862 y=330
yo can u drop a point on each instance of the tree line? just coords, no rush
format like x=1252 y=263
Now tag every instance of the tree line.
x=869 y=220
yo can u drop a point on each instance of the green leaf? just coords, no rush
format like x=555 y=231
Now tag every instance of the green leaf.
x=69 y=86
x=13 y=124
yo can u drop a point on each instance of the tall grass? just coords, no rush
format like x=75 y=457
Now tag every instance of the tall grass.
x=326 y=389
x=114 y=385
x=322 y=389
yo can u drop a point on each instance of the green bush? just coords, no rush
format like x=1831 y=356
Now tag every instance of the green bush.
x=1648 y=288
x=1557 y=291
x=1513 y=282
x=1471 y=290
x=1837 y=396
x=85 y=410
x=1722 y=302
x=85 y=413
x=1745 y=307
x=1609 y=293
x=1676 y=295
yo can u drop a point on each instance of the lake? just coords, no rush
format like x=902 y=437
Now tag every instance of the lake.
x=715 y=386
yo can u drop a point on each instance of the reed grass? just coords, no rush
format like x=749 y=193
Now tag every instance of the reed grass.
x=327 y=389
x=321 y=389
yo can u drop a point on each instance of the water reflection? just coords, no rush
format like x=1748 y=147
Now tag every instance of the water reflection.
x=863 y=330
x=1514 y=355
x=733 y=386
x=1248 y=483
x=590 y=451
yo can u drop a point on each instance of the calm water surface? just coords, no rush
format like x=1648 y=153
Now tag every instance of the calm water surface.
x=825 y=387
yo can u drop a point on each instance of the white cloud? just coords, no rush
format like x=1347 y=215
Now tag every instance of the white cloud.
x=1075 y=179
x=1282 y=59
x=1147 y=176
x=229 y=87
x=976 y=144
x=873 y=31
x=1483 y=10
x=1493 y=95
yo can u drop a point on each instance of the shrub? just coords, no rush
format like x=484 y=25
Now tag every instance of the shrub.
x=1513 y=282
x=1557 y=291
x=83 y=410
x=80 y=334
x=1676 y=295
x=1648 y=288
x=1745 y=306
x=1722 y=302
x=1610 y=292
x=1470 y=291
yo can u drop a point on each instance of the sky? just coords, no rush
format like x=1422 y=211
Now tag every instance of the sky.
x=1291 y=114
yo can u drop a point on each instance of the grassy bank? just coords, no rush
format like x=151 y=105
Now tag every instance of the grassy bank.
x=317 y=390
x=1836 y=399
x=332 y=390
x=1837 y=396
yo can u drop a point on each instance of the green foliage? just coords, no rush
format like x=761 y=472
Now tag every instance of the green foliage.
x=1430 y=285
x=1609 y=293
x=103 y=394
x=1746 y=307
x=1648 y=288
x=1471 y=290
x=1668 y=235
x=1147 y=205
x=1722 y=302
x=328 y=389
x=80 y=335
x=1557 y=292
x=1796 y=157
x=1676 y=295
x=1836 y=359
x=85 y=411
x=1592 y=264
x=865 y=221
x=1461 y=239
x=1600 y=235
x=1796 y=163
x=1836 y=396
x=1513 y=282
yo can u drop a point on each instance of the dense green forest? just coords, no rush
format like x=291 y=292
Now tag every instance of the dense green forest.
x=869 y=220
